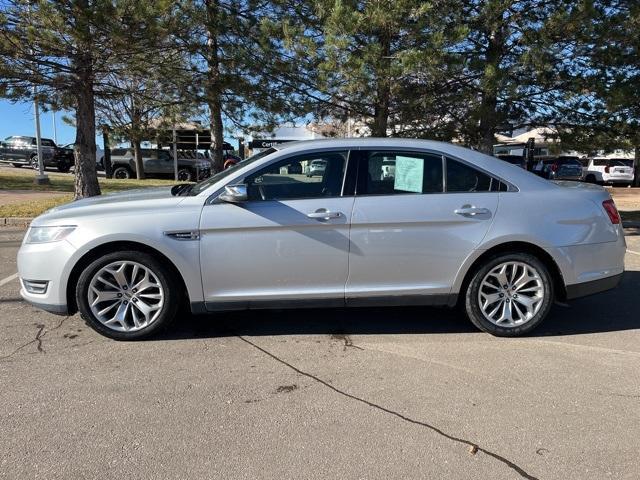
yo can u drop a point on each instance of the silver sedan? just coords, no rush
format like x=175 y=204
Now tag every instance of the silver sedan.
x=449 y=226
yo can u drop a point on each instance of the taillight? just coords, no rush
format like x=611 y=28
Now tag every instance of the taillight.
x=554 y=167
x=606 y=169
x=612 y=211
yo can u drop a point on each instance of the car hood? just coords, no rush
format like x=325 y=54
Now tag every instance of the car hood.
x=126 y=202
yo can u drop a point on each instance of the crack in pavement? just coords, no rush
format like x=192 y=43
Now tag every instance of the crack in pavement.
x=437 y=430
x=348 y=342
x=40 y=334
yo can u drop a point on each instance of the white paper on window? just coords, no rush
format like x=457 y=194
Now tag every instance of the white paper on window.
x=409 y=174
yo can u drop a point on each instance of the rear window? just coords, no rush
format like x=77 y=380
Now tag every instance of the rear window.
x=463 y=178
x=620 y=162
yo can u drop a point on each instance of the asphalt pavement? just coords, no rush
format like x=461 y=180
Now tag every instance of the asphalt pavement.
x=362 y=393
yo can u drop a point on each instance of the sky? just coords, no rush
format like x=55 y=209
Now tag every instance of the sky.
x=17 y=119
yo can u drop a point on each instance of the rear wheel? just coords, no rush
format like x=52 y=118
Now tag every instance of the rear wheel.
x=121 y=173
x=64 y=166
x=185 y=175
x=17 y=165
x=509 y=295
x=33 y=161
x=590 y=179
x=127 y=295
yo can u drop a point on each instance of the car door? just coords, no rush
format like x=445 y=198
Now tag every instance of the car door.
x=151 y=162
x=411 y=232
x=286 y=245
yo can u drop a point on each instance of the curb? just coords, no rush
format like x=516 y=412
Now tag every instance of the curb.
x=15 y=221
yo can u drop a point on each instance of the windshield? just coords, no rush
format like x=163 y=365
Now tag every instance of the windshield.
x=202 y=186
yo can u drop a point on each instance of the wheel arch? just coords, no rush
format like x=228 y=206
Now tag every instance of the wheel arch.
x=518 y=247
x=110 y=247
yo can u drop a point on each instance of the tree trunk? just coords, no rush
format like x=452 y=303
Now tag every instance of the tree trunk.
x=137 y=158
x=214 y=87
x=488 y=114
x=383 y=88
x=86 y=178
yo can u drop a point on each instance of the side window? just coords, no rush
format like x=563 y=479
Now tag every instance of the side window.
x=304 y=176
x=463 y=178
x=391 y=173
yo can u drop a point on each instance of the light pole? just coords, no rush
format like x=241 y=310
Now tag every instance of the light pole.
x=55 y=131
x=41 y=178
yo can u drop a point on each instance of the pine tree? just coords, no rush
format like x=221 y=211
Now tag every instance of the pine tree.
x=66 y=49
x=229 y=54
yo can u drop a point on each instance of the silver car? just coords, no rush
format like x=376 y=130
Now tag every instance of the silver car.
x=451 y=227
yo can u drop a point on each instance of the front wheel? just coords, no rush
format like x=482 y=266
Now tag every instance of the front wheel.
x=127 y=295
x=17 y=165
x=509 y=295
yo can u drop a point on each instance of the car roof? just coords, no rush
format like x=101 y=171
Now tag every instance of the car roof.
x=508 y=171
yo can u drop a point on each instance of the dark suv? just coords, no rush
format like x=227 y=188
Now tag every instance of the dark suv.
x=158 y=163
x=22 y=151
x=559 y=168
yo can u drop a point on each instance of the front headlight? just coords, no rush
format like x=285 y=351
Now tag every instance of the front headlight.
x=48 y=234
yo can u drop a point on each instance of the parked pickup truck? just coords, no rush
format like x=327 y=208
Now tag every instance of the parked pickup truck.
x=158 y=163
x=22 y=151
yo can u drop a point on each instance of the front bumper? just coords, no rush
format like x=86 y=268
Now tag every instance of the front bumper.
x=46 y=262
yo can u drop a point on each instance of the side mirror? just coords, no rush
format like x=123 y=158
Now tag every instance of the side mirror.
x=234 y=194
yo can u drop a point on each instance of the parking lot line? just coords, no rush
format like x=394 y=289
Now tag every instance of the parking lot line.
x=10 y=278
x=631 y=251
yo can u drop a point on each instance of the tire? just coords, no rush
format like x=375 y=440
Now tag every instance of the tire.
x=17 y=165
x=64 y=167
x=538 y=291
x=124 y=299
x=33 y=162
x=185 y=175
x=121 y=173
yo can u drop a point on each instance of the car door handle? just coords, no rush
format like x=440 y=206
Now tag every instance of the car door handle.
x=324 y=214
x=471 y=211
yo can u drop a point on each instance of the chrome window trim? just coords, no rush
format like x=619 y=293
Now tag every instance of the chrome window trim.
x=510 y=186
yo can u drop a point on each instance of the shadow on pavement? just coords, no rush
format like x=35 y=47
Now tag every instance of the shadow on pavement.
x=615 y=310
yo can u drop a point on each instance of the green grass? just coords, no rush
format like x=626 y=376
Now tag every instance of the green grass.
x=59 y=183
x=64 y=183
x=33 y=208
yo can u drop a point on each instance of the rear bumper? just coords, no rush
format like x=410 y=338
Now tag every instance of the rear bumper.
x=579 y=290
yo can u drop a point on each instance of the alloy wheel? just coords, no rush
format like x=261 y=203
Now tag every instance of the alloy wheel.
x=125 y=296
x=511 y=294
